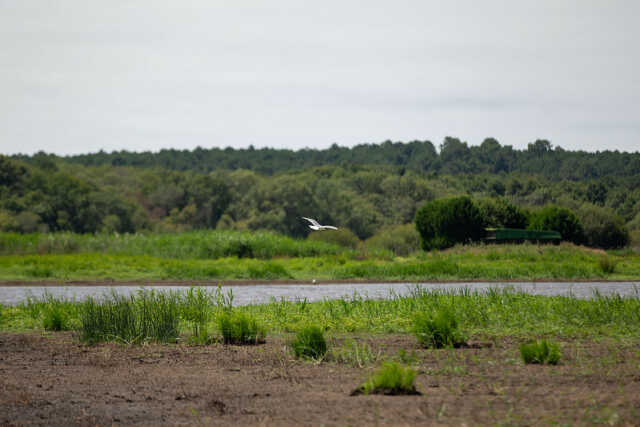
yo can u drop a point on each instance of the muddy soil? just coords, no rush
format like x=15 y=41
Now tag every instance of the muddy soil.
x=52 y=379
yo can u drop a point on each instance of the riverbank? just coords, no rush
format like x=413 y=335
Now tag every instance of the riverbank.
x=227 y=283
x=193 y=378
x=525 y=262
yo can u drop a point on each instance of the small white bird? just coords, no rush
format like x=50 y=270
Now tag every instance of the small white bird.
x=315 y=226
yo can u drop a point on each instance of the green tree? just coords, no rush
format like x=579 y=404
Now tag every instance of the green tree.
x=444 y=222
x=558 y=219
x=500 y=213
x=602 y=227
x=11 y=173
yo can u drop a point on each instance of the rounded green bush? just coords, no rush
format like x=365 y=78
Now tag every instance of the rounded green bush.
x=444 y=222
x=602 y=227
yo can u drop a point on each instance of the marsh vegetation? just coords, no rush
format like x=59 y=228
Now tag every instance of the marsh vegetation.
x=232 y=255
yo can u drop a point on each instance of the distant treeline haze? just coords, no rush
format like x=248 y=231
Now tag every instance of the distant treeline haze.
x=367 y=188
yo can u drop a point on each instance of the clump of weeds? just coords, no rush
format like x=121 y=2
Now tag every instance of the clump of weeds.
x=391 y=379
x=240 y=328
x=540 y=352
x=309 y=343
x=438 y=330
x=196 y=310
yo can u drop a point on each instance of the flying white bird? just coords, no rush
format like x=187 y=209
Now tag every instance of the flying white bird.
x=315 y=226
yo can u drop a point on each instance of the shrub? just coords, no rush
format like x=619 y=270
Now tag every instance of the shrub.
x=391 y=378
x=558 y=219
x=499 y=213
x=443 y=223
x=438 y=330
x=540 y=352
x=309 y=343
x=343 y=237
x=402 y=240
x=602 y=227
x=239 y=328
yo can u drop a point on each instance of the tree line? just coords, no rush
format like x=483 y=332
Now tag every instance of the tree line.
x=453 y=157
x=49 y=193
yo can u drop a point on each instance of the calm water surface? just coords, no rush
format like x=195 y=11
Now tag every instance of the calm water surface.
x=256 y=294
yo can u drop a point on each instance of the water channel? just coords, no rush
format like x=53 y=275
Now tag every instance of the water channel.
x=263 y=293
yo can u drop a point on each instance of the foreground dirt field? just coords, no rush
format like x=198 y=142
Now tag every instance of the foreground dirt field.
x=53 y=380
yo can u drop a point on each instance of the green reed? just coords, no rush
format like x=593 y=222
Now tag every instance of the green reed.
x=144 y=316
x=496 y=312
x=159 y=316
x=205 y=244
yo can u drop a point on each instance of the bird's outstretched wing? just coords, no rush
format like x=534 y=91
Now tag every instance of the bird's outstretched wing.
x=331 y=227
x=312 y=221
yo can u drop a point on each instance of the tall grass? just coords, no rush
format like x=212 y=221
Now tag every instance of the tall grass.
x=144 y=316
x=209 y=244
x=496 y=312
x=195 y=308
x=177 y=259
x=149 y=315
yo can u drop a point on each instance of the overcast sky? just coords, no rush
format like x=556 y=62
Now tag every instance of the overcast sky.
x=77 y=76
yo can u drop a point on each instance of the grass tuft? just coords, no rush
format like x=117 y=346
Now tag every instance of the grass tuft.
x=540 y=352
x=240 y=328
x=56 y=318
x=309 y=343
x=438 y=330
x=391 y=379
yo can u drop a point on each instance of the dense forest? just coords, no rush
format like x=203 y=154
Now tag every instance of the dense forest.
x=366 y=189
x=454 y=157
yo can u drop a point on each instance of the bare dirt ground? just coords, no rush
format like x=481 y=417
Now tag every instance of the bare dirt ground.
x=52 y=379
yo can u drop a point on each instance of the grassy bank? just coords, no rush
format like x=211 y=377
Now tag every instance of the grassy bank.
x=234 y=255
x=505 y=262
x=594 y=342
x=496 y=313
